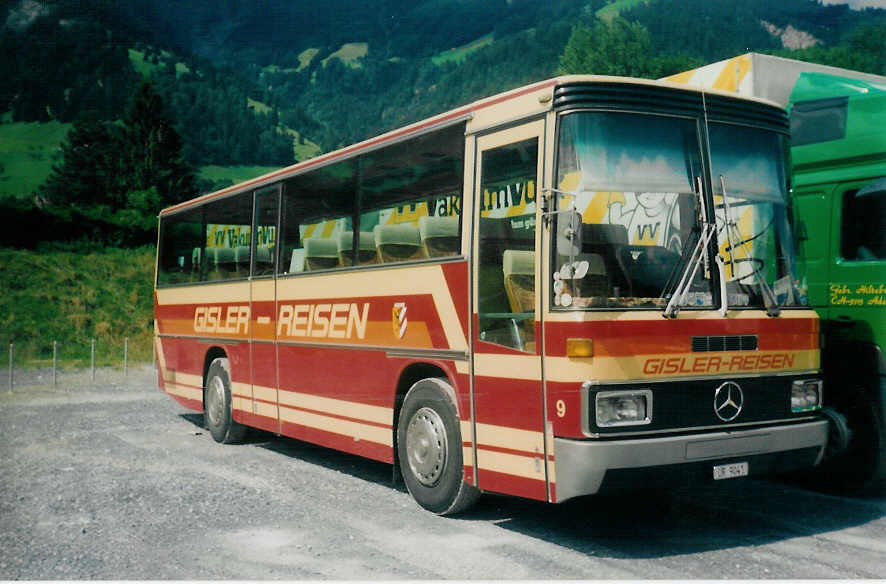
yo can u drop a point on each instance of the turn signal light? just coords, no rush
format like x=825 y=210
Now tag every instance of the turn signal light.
x=579 y=348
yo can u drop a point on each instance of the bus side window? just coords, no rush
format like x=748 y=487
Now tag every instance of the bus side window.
x=411 y=197
x=318 y=208
x=181 y=248
x=228 y=231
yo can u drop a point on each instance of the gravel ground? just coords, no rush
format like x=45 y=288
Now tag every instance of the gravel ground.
x=114 y=480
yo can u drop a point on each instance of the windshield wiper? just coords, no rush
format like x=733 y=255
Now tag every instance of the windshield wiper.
x=769 y=299
x=699 y=254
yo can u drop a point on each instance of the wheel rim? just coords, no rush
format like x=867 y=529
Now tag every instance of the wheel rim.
x=215 y=395
x=426 y=446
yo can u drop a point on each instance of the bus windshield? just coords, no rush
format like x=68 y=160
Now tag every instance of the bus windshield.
x=634 y=179
x=631 y=178
x=753 y=232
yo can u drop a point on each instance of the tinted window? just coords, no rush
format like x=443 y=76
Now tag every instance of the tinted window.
x=318 y=213
x=818 y=120
x=864 y=223
x=228 y=237
x=181 y=247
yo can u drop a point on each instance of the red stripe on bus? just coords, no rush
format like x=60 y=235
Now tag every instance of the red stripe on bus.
x=341 y=442
x=337 y=416
x=514 y=451
x=490 y=480
x=457 y=281
x=625 y=338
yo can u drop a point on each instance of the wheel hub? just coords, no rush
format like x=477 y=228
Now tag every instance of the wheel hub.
x=215 y=395
x=426 y=446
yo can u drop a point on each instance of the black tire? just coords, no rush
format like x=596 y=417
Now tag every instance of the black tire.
x=429 y=449
x=861 y=468
x=217 y=404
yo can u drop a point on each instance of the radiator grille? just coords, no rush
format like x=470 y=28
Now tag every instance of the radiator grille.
x=726 y=343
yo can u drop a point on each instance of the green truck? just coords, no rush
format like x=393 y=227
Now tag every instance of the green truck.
x=838 y=152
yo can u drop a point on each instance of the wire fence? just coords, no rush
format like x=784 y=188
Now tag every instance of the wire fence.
x=41 y=374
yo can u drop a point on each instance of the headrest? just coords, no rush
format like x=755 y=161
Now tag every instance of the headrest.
x=262 y=254
x=221 y=255
x=402 y=234
x=346 y=240
x=518 y=262
x=438 y=227
x=321 y=248
x=241 y=254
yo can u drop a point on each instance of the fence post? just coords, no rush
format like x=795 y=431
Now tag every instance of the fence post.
x=92 y=359
x=125 y=354
x=54 y=363
x=11 y=365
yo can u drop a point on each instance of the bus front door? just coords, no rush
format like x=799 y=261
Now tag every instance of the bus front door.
x=509 y=439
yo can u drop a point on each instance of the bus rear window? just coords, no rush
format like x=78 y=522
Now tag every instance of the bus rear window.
x=181 y=248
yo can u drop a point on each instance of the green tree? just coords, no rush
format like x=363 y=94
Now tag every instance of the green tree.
x=620 y=48
x=86 y=173
x=152 y=150
x=111 y=181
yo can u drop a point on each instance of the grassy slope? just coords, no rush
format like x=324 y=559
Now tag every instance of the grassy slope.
x=458 y=54
x=72 y=298
x=610 y=11
x=146 y=68
x=349 y=54
x=26 y=155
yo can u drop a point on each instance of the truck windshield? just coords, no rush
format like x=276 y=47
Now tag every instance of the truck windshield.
x=753 y=232
x=632 y=180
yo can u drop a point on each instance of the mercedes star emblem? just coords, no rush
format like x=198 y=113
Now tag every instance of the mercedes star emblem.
x=728 y=401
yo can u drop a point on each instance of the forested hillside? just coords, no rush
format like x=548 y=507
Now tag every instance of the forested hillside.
x=243 y=78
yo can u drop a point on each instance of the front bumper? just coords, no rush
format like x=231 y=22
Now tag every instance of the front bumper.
x=585 y=467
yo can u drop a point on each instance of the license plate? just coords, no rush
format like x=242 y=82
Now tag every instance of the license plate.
x=730 y=471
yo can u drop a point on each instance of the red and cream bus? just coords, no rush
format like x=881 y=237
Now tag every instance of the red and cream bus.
x=581 y=285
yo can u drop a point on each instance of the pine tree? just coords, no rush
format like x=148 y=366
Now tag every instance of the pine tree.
x=86 y=174
x=152 y=150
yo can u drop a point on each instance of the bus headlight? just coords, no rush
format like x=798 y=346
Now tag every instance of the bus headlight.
x=805 y=395
x=624 y=408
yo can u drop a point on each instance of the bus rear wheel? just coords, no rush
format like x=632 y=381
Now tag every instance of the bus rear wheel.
x=217 y=404
x=429 y=449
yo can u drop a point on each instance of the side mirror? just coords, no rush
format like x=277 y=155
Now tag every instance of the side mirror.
x=569 y=233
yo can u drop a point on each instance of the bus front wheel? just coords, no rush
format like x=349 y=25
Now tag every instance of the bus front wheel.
x=429 y=449
x=217 y=410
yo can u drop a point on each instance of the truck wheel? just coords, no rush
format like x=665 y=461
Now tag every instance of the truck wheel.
x=429 y=448
x=861 y=467
x=217 y=404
